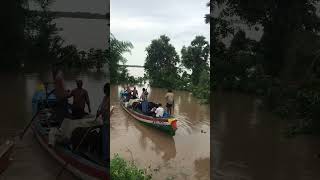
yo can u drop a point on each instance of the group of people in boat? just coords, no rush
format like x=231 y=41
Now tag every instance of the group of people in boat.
x=96 y=139
x=142 y=105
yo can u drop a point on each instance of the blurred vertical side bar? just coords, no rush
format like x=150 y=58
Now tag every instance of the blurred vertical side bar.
x=107 y=92
x=209 y=19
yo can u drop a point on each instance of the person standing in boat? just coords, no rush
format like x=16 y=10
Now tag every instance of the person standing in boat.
x=144 y=100
x=170 y=101
x=61 y=96
x=134 y=93
x=104 y=111
x=80 y=99
x=129 y=93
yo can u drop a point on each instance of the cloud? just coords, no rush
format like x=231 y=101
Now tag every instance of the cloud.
x=142 y=21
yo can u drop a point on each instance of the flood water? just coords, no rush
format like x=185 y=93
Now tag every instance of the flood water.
x=30 y=160
x=183 y=156
x=249 y=144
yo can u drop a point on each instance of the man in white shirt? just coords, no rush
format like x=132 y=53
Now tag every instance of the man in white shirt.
x=159 y=111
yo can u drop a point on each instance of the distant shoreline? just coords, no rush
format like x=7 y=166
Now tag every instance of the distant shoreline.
x=81 y=15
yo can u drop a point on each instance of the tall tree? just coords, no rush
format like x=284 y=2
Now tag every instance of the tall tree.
x=280 y=20
x=195 y=57
x=115 y=56
x=161 y=61
x=45 y=43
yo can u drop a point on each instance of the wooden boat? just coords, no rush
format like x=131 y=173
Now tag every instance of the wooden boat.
x=83 y=166
x=168 y=125
x=6 y=150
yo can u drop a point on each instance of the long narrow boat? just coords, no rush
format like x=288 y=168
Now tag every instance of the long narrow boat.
x=168 y=125
x=6 y=150
x=83 y=166
x=80 y=166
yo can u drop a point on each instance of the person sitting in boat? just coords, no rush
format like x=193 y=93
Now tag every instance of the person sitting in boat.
x=159 y=111
x=138 y=106
x=152 y=111
x=132 y=101
x=151 y=105
x=80 y=99
x=144 y=100
x=134 y=93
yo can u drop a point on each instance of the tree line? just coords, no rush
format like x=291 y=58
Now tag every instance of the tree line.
x=30 y=38
x=166 y=69
x=163 y=66
x=282 y=66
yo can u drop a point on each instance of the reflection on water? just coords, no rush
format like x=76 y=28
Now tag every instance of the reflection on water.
x=183 y=156
x=248 y=143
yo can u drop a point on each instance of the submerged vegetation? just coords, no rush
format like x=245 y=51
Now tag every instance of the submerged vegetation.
x=273 y=54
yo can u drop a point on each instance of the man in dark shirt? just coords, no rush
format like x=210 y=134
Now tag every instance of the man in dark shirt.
x=80 y=99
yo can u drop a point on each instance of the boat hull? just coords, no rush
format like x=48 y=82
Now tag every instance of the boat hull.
x=6 y=150
x=77 y=165
x=167 y=125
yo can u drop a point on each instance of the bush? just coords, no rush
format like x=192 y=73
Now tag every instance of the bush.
x=122 y=170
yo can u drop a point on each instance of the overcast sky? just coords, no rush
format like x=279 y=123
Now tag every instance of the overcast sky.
x=141 y=21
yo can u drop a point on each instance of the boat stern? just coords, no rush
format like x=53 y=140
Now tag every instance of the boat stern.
x=173 y=123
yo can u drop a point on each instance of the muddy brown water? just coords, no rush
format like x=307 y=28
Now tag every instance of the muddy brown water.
x=249 y=144
x=183 y=156
x=30 y=160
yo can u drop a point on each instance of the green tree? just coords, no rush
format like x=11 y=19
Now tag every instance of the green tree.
x=42 y=34
x=280 y=20
x=161 y=61
x=195 y=57
x=100 y=59
x=115 y=57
